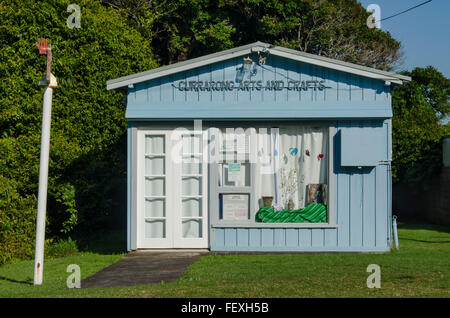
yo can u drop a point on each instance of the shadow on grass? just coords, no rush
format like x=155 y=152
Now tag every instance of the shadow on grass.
x=27 y=282
x=428 y=227
x=422 y=241
x=424 y=226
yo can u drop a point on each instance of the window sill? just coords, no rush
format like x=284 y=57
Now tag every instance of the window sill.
x=274 y=225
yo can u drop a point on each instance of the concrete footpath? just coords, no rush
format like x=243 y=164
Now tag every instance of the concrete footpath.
x=144 y=267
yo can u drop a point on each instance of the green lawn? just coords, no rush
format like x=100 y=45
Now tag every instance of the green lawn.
x=420 y=268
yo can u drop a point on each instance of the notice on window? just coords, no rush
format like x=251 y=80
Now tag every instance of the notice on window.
x=235 y=206
x=234 y=172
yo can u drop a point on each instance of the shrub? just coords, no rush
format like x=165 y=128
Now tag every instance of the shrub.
x=87 y=166
x=17 y=222
x=61 y=248
x=418 y=108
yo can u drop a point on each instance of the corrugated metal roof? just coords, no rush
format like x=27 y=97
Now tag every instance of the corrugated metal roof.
x=256 y=47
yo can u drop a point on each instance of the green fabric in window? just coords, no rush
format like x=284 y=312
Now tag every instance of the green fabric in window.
x=312 y=213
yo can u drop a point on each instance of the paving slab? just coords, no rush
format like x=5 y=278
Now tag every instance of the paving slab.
x=144 y=267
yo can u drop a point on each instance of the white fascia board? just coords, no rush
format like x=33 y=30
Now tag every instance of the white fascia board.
x=248 y=49
x=164 y=71
x=335 y=66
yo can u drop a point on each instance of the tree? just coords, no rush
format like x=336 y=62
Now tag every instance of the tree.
x=185 y=29
x=418 y=108
x=87 y=156
x=435 y=89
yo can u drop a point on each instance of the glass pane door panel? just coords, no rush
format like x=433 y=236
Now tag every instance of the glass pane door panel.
x=196 y=143
x=192 y=144
x=191 y=186
x=191 y=167
x=187 y=144
x=155 y=186
x=154 y=144
x=155 y=228
x=155 y=208
x=191 y=207
x=154 y=165
x=192 y=228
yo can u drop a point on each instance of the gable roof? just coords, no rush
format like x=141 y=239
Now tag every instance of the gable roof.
x=257 y=47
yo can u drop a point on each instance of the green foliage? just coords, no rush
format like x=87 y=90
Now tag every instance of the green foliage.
x=65 y=195
x=183 y=29
x=435 y=88
x=87 y=157
x=61 y=248
x=17 y=222
x=417 y=131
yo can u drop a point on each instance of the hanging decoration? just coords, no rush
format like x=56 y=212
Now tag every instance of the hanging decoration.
x=293 y=151
x=288 y=184
x=262 y=57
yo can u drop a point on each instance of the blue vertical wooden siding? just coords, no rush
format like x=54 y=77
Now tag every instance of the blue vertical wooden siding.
x=362 y=196
x=363 y=147
x=362 y=212
x=348 y=95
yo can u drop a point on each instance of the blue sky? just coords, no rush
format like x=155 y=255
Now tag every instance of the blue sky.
x=424 y=32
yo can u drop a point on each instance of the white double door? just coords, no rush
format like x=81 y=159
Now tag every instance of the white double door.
x=172 y=190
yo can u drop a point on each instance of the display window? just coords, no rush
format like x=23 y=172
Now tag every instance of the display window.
x=272 y=175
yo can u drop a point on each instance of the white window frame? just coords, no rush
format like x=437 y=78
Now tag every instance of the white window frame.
x=251 y=223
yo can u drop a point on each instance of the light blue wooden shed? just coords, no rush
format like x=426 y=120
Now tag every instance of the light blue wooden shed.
x=329 y=121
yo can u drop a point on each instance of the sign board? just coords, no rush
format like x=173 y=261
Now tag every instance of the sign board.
x=235 y=206
x=234 y=172
x=251 y=85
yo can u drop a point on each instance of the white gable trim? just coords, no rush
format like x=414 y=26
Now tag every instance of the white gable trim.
x=337 y=67
x=248 y=49
x=168 y=70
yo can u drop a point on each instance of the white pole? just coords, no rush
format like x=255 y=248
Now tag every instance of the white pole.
x=394 y=225
x=43 y=180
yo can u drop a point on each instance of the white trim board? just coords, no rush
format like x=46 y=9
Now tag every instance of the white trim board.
x=274 y=225
x=256 y=47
